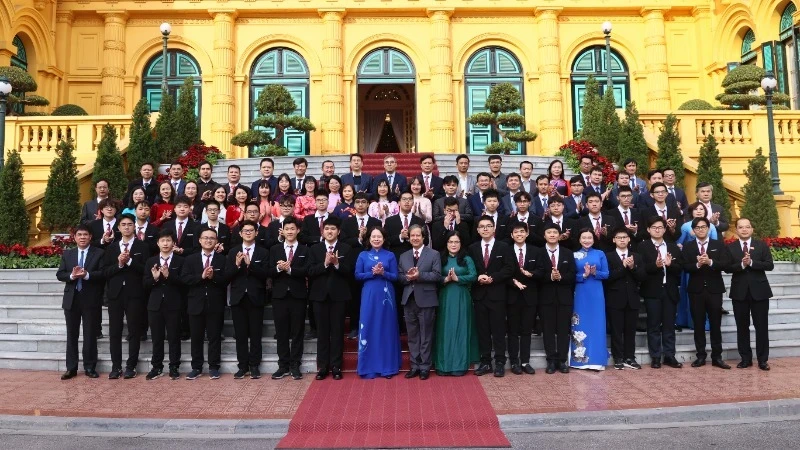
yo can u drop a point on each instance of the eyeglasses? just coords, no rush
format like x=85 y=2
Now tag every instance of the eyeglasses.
x=701 y=227
x=659 y=192
x=485 y=227
x=248 y=230
x=208 y=238
x=657 y=228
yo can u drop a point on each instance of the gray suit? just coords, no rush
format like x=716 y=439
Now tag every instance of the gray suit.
x=420 y=299
x=471 y=188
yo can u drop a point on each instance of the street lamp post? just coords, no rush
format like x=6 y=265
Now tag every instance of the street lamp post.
x=769 y=83
x=166 y=29
x=5 y=89
x=607 y=32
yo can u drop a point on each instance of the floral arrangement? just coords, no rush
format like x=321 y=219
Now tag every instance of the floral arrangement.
x=573 y=151
x=39 y=257
x=192 y=158
x=786 y=249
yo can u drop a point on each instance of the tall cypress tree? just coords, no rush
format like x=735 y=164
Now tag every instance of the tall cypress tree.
x=108 y=164
x=631 y=140
x=669 y=149
x=140 y=147
x=61 y=207
x=709 y=170
x=166 y=139
x=187 y=129
x=14 y=220
x=591 y=129
x=759 y=203
x=610 y=126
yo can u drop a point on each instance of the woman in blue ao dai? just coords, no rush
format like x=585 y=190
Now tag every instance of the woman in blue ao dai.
x=588 y=344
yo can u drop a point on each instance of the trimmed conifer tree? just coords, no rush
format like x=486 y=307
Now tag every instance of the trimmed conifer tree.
x=709 y=170
x=631 y=142
x=166 y=134
x=590 y=113
x=140 y=146
x=759 y=203
x=187 y=129
x=669 y=149
x=14 y=220
x=61 y=207
x=108 y=164
x=611 y=126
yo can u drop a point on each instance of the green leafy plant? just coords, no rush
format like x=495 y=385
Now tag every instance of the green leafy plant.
x=21 y=84
x=141 y=148
x=108 y=164
x=759 y=203
x=503 y=102
x=631 y=142
x=14 y=220
x=669 y=150
x=695 y=105
x=709 y=170
x=69 y=110
x=61 y=208
x=600 y=123
x=167 y=142
x=743 y=88
x=187 y=126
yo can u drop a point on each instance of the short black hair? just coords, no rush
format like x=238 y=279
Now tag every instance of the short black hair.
x=183 y=199
x=450 y=179
x=522 y=195
x=460 y=157
x=597 y=168
x=83 y=227
x=653 y=172
x=697 y=220
x=333 y=220
x=591 y=195
x=251 y=223
x=300 y=161
x=263 y=160
x=542 y=177
x=290 y=220
x=127 y=216
x=427 y=156
x=628 y=161
x=485 y=217
x=577 y=179
x=550 y=225
x=167 y=232
x=484 y=175
x=491 y=193
x=234 y=166
x=494 y=158
x=657 y=185
x=652 y=220
x=623 y=188
x=517 y=225
x=513 y=174
x=555 y=199
x=360 y=196
x=450 y=201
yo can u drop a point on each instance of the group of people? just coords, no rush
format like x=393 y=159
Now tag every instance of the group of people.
x=468 y=268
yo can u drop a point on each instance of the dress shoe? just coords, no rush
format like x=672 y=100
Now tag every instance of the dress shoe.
x=527 y=368
x=280 y=373
x=194 y=374
x=69 y=374
x=563 y=368
x=720 y=363
x=101 y=336
x=483 y=369
x=424 y=374
x=516 y=369
x=129 y=374
x=239 y=375
x=655 y=364
x=499 y=370
x=255 y=373
x=618 y=364
x=670 y=361
x=631 y=364
x=91 y=373
x=337 y=373
x=174 y=374
x=322 y=374
x=699 y=362
x=551 y=368
x=413 y=373
x=296 y=374
x=153 y=374
x=678 y=328
x=185 y=337
x=115 y=374
x=744 y=364
x=763 y=366
x=352 y=335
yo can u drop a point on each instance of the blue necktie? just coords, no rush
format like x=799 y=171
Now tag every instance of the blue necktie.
x=80 y=264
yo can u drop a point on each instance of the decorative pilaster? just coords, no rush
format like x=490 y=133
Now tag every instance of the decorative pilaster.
x=332 y=96
x=112 y=95
x=441 y=85
x=655 y=49
x=63 y=50
x=222 y=107
x=551 y=124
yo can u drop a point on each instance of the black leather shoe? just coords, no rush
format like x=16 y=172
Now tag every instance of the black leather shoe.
x=563 y=368
x=655 y=364
x=672 y=362
x=413 y=373
x=720 y=363
x=551 y=368
x=69 y=374
x=516 y=369
x=115 y=374
x=744 y=364
x=91 y=373
x=322 y=374
x=483 y=369
x=424 y=374
x=763 y=366
x=699 y=362
x=129 y=374
x=255 y=373
x=337 y=373
x=499 y=370
x=527 y=368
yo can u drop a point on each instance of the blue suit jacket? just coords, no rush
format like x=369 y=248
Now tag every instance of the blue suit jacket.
x=536 y=206
x=571 y=208
x=366 y=181
x=642 y=184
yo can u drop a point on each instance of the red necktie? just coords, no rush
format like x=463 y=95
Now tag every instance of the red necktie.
x=416 y=257
x=597 y=226
x=330 y=248
x=208 y=262
x=627 y=222
x=521 y=259
x=321 y=219
x=140 y=233
x=702 y=249
x=558 y=224
x=108 y=227
x=125 y=244
x=622 y=257
x=744 y=247
x=552 y=257
x=664 y=214
x=452 y=225
x=180 y=231
x=291 y=253
x=427 y=182
x=486 y=256
x=362 y=222
x=405 y=222
x=165 y=262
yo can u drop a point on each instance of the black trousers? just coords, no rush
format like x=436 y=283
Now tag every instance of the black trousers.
x=169 y=320
x=490 y=321
x=205 y=324
x=185 y=322
x=759 y=309
x=661 y=325
x=354 y=305
x=131 y=308
x=289 y=314
x=88 y=317
x=623 y=331
x=248 y=323
x=521 y=318
x=703 y=303
x=556 y=320
x=330 y=332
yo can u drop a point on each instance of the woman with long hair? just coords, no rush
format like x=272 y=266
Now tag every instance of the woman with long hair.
x=221 y=197
x=196 y=206
x=234 y=215
x=346 y=208
x=422 y=205
x=305 y=204
x=555 y=173
x=264 y=200
x=385 y=206
x=137 y=195
x=334 y=192
x=284 y=190
x=164 y=205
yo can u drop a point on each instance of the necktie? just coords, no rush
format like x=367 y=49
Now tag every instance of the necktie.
x=544 y=203
x=702 y=248
x=247 y=252
x=165 y=262
x=672 y=191
x=291 y=253
x=627 y=222
x=80 y=264
x=175 y=186
x=633 y=183
x=452 y=225
x=664 y=214
x=578 y=203
x=597 y=226
x=486 y=256
x=709 y=213
x=587 y=181
x=427 y=182
x=744 y=247
x=108 y=227
x=330 y=249
x=362 y=222
x=321 y=219
x=558 y=224
x=552 y=257
x=391 y=180
x=144 y=185
x=208 y=262
x=125 y=244
x=405 y=222
x=299 y=183
x=416 y=257
x=622 y=257
x=521 y=259
x=140 y=233
x=180 y=231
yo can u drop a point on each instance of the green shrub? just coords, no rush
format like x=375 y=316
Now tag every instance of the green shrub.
x=14 y=220
x=61 y=208
x=709 y=170
x=669 y=150
x=696 y=105
x=108 y=164
x=631 y=142
x=759 y=202
x=140 y=145
x=69 y=110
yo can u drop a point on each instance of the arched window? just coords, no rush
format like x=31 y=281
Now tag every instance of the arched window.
x=386 y=65
x=180 y=65
x=486 y=68
x=20 y=59
x=285 y=67
x=592 y=61
x=748 y=53
x=786 y=56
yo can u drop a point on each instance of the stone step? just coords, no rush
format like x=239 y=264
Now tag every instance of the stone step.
x=28 y=274
x=32 y=286
x=55 y=326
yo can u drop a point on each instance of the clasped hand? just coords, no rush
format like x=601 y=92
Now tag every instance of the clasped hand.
x=377 y=269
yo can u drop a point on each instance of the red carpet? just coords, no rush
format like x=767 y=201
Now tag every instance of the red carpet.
x=396 y=413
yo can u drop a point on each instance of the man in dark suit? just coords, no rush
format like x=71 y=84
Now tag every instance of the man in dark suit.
x=567 y=226
x=491 y=205
x=575 y=203
x=205 y=184
x=145 y=231
x=663 y=263
x=450 y=186
x=705 y=259
x=176 y=172
x=535 y=224
x=523 y=300
x=596 y=183
x=613 y=198
x=667 y=211
x=81 y=271
x=274 y=231
x=677 y=193
x=219 y=227
x=627 y=216
x=162 y=280
x=300 y=166
x=251 y=213
x=266 y=166
x=397 y=181
x=246 y=268
x=288 y=263
x=123 y=268
x=540 y=200
x=185 y=231
x=601 y=224
x=233 y=180
x=104 y=230
x=645 y=201
x=637 y=185
x=330 y=271
x=433 y=184
x=714 y=212
x=483 y=185
x=556 y=298
x=91 y=208
x=450 y=221
x=512 y=189
x=419 y=272
x=397 y=226
x=311 y=229
x=751 y=259
x=494 y=262
x=362 y=182
x=625 y=272
x=204 y=275
x=146 y=181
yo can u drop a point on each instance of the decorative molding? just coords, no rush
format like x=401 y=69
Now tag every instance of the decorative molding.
x=495 y=19
x=358 y=20
x=597 y=21
x=142 y=22
x=88 y=22
x=277 y=20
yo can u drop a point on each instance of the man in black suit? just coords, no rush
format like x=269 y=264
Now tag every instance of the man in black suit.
x=397 y=181
x=663 y=263
x=362 y=182
x=491 y=205
x=265 y=167
x=123 y=268
x=162 y=280
x=600 y=223
x=185 y=231
x=523 y=300
x=146 y=182
x=433 y=184
x=104 y=230
x=512 y=189
x=556 y=298
x=288 y=263
x=751 y=259
x=625 y=215
x=274 y=231
x=219 y=227
x=483 y=185
x=522 y=200
x=91 y=208
x=714 y=212
x=494 y=262
x=450 y=187
x=623 y=180
x=330 y=271
x=666 y=211
x=567 y=226
x=452 y=220
x=234 y=177
x=144 y=230
x=645 y=201
x=205 y=184
x=575 y=202
x=204 y=275
x=677 y=193
x=300 y=166
x=397 y=225
x=625 y=272
x=596 y=183
x=246 y=268
x=540 y=200
x=705 y=259
x=81 y=271
x=311 y=229
x=251 y=213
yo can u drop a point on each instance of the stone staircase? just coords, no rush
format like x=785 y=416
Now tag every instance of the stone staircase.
x=32 y=331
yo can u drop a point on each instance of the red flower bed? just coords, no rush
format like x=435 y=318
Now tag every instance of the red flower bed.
x=198 y=154
x=585 y=148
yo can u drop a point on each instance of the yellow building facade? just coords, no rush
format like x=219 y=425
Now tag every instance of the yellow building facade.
x=426 y=63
